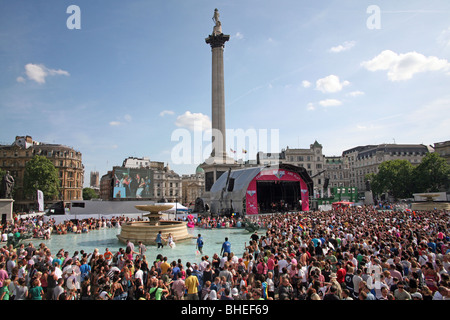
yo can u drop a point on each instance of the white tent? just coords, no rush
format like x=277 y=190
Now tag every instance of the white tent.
x=176 y=206
x=181 y=212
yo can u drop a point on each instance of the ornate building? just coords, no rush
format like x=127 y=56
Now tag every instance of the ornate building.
x=364 y=160
x=193 y=186
x=443 y=149
x=66 y=160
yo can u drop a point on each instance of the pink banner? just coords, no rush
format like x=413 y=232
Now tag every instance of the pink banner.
x=274 y=175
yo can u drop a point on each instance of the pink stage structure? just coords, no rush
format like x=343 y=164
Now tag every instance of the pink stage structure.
x=255 y=190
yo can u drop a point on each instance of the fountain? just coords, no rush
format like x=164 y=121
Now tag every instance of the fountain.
x=429 y=203
x=146 y=231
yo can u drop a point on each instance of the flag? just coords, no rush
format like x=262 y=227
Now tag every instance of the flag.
x=244 y=151
x=301 y=227
x=232 y=150
x=40 y=198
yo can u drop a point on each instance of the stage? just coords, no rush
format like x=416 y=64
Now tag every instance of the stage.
x=255 y=190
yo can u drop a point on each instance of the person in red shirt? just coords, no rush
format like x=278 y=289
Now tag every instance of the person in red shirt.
x=340 y=273
x=108 y=256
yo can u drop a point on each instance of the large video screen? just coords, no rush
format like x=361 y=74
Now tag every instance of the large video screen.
x=133 y=183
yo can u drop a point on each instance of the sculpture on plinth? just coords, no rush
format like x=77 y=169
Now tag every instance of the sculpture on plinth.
x=7 y=186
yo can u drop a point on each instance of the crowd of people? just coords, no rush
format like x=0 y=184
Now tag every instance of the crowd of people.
x=355 y=253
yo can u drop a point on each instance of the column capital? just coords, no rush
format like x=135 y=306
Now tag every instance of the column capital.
x=217 y=40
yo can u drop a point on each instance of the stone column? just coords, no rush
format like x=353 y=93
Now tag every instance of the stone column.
x=217 y=43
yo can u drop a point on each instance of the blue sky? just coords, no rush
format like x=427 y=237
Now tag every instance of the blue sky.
x=137 y=71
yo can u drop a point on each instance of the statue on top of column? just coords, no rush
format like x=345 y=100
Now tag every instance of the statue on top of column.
x=218 y=27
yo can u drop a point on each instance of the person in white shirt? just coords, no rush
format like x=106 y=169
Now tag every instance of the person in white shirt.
x=282 y=263
x=443 y=293
x=223 y=260
x=58 y=271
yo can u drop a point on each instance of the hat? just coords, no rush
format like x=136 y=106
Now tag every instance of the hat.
x=417 y=295
x=333 y=275
x=234 y=292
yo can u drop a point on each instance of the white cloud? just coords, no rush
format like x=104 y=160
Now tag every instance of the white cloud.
x=127 y=118
x=239 y=35
x=164 y=112
x=330 y=84
x=38 y=72
x=306 y=84
x=193 y=121
x=310 y=106
x=444 y=38
x=330 y=103
x=347 y=45
x=116 y=123
x=355 y=93
x=404 y=66
x=20 y=79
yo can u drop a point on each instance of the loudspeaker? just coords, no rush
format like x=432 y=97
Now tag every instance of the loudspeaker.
x=230 y=184
x=327 y=180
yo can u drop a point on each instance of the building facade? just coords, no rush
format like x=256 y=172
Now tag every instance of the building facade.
x=66 y=160
x=193 y=186
x=443 y=149
x=365 y=160
x=167 y=184
x=94 y=181
x=337 y=172
x=312 y=160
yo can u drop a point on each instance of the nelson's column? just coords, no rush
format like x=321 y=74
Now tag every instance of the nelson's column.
x=218 y=163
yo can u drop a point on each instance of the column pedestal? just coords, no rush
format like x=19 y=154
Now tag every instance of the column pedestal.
x=6 y=209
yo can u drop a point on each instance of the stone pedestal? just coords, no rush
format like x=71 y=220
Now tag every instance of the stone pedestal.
x=6 y=209
x=368 y=198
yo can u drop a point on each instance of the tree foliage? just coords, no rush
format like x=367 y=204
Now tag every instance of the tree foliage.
x=432 y=174
x=401 y=179
x=89 y=193
x=395 y=177
x=41 y=174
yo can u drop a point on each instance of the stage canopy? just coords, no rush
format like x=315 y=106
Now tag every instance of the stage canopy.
x=262 y=189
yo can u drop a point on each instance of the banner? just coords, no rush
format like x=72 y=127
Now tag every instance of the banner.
x=40 y=198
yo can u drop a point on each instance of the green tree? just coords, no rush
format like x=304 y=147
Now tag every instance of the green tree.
x=89 y=193
x=41 y=174
x=394 y=177
x=432 y=174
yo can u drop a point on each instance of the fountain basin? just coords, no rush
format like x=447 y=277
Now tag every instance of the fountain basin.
x=146 y=231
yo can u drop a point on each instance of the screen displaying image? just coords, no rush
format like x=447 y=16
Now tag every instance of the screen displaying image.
x=133 y=183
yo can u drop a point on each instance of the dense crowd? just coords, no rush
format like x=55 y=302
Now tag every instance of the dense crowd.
x=356 y=253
